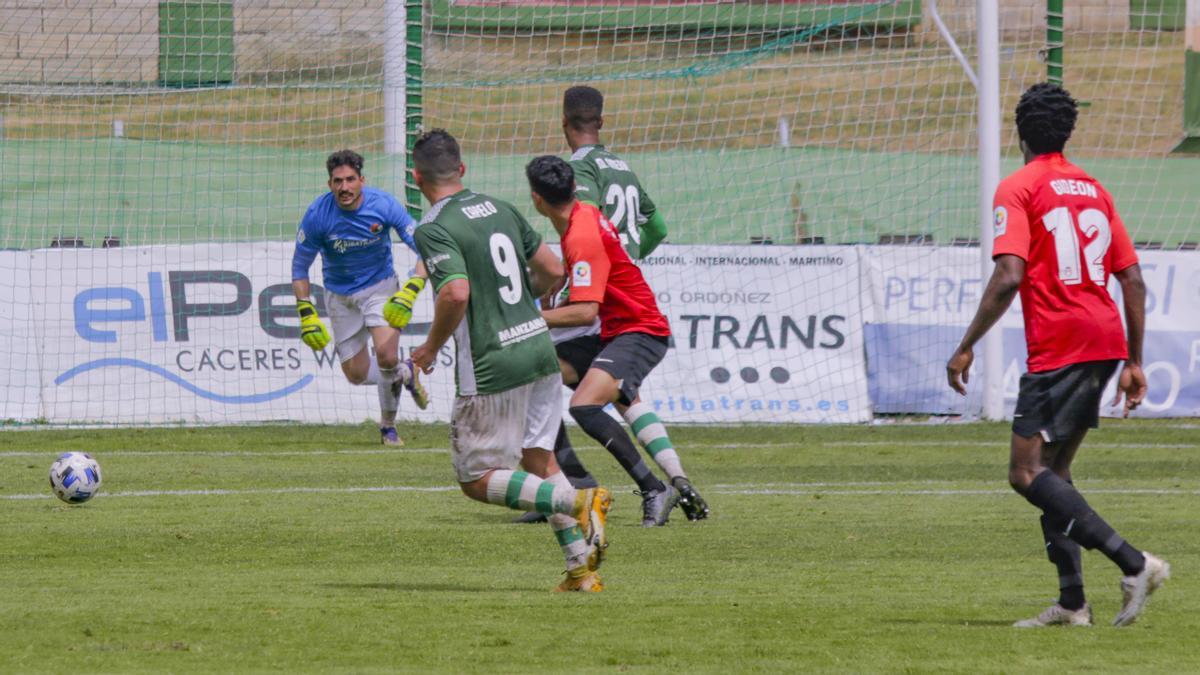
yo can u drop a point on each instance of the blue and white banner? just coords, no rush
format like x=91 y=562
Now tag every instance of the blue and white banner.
x=202 y=333
x=207 y=333
x=922 y=300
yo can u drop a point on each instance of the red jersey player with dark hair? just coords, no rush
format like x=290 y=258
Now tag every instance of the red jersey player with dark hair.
x=602 y=281
x=1058 y=238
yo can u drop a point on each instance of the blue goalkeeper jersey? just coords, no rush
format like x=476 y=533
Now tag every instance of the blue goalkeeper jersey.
x=355 y=246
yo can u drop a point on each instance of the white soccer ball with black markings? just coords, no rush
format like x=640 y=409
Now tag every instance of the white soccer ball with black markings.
x=75 y=477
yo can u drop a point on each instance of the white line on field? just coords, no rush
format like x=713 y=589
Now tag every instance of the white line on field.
x=999 y=444
x=257 y=491
x=793 y=489
x=223 y=453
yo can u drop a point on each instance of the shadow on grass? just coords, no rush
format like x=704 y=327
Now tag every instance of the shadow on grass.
x=431 y=587
x=950 y=621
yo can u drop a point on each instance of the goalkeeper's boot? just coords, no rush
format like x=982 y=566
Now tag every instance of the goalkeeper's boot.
x=690 y=501
x=388 y=436
x=581 y=579
x=657 y=505
x=1057 y=615
x=1136 y=589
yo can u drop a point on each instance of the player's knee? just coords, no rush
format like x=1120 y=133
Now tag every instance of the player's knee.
x=387 y=361
x=1020 y=477
x=355 y=378
x=584 y=414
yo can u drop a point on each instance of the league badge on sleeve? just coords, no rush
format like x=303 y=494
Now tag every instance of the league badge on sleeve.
x=999 y=222
x=581 y=274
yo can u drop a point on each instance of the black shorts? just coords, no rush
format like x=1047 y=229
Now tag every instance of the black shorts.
x=579 y=352
x=1059 y=403
x=629 y=358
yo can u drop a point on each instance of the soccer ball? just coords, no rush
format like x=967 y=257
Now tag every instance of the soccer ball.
x=75 y=477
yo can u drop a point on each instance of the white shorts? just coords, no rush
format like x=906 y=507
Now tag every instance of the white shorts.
x=488 y=431
x=351 y=315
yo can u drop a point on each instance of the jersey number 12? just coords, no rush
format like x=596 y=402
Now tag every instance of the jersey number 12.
x=1066 y=243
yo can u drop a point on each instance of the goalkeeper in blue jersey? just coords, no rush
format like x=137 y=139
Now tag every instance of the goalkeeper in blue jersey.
x=350 y=227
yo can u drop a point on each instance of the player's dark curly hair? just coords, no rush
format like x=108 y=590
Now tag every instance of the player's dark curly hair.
x=436 y=155
x=1046 y=117
x=552 y=179
x=583 y=106
x=348 y=158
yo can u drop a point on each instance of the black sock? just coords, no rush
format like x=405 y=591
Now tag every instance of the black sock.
x=609 y=432
x=569 y=462
x=1067 y=558
x=1063 y=503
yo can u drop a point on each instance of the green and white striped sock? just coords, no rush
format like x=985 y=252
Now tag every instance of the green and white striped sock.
x=523 y=491
x=567 y=530
x=653 y=436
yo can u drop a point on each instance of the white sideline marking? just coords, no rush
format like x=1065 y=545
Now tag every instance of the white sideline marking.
x=259 y=491
x=1000 y=444
x=223 y=453
x=794 y=489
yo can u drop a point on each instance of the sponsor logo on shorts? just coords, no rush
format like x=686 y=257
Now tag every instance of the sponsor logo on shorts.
x=581 y=274
x=432 y=262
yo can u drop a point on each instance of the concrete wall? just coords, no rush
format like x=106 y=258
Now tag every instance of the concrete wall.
x=52 y=41
x=1029 y=16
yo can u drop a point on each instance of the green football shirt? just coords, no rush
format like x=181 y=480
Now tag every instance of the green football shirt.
x=606 y=180
x=503 y=341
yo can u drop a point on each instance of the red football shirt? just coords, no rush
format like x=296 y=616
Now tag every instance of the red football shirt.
x=1064 y=225
x=599 y=270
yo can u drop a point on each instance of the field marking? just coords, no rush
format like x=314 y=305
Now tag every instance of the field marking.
x=999 y=444
x=852 y=489
x=223 y=453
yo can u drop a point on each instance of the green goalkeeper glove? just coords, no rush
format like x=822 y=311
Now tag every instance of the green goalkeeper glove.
x=398 y=310
x=312 y=331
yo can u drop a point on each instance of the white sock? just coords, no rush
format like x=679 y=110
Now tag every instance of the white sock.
x=566 y=529
x=387 y=398
x=653 y=436
x=524 y=491
x=372 y=373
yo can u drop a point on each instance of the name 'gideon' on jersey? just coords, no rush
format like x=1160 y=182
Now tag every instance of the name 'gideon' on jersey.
x=1068 y=186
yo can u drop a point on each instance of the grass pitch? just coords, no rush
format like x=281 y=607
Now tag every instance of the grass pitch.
x=882 y=548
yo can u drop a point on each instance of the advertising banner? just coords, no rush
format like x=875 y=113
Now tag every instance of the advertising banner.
x=208 y=333
x=761 y=334
x=922 y=300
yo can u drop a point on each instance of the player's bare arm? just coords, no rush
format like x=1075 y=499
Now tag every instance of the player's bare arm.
x=999 y=294
x=573 y=314
x=302 y=289
x=1131 y=384
x=448 y=311
x=545 y=271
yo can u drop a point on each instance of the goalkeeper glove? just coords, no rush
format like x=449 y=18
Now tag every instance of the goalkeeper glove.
x=312 y=331
x=398 y=310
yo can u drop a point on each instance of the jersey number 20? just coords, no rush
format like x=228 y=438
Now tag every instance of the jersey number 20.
x=627 y=204
x=504 y=257
x=1066 y=243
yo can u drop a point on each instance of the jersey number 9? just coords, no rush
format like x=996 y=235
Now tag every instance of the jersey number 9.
x=504 y=257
